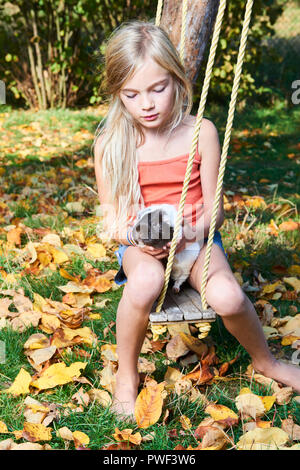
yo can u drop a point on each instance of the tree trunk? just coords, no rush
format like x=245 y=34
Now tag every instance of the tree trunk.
x=201 y=15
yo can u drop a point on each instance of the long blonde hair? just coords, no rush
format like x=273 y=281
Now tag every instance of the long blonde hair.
x=126 y=51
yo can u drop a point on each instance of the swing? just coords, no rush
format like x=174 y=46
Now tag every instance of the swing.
x=189 y=306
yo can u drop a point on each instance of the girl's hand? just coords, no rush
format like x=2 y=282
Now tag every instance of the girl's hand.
x=158 y=253
x=181 y=245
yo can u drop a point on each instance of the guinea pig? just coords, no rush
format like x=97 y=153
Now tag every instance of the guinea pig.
x=154 y=226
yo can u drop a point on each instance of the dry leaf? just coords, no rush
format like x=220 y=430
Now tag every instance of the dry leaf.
x=249 y=404
x=126 y=436
x=148 y=406
x=176 y=348
x=35 y=432
x=195 y=345
x=263 y=439
x=100 y=396
x=21 y=384
x=81 y=397
x=222 y=415
x=291 y=428
x=80 y=438
x=58 y=374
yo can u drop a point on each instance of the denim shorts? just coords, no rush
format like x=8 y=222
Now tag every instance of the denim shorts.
x=120 y=277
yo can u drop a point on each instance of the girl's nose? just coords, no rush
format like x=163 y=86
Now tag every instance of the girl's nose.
x=147 y=102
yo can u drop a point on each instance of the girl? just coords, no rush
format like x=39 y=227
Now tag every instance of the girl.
x=141 y=154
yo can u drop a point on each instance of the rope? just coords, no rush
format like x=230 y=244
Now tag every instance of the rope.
x=231 y=111
x=205 y=327
x=186 y=182
x=158 y=12
x=183 y=30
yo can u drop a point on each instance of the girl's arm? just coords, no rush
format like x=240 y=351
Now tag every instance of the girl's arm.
x=104 y=192
x=209 y=147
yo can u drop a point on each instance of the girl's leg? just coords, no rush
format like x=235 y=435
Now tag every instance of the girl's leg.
x=145 y=278
x=226 y=297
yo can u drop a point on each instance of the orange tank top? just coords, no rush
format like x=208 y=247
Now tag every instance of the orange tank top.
x=161 y=182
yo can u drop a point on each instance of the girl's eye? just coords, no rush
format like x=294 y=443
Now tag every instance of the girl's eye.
x=159 y=91
x=130 y=96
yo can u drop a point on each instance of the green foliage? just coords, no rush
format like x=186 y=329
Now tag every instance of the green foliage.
x=51 y=48
x=53 y=51
x=264 y=15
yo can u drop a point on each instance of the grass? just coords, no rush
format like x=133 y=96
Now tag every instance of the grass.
x=36 y=187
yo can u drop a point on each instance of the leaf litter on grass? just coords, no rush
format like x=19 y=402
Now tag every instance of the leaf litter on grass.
x=36 y=246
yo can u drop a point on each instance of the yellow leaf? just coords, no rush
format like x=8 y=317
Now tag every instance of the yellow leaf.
x=294 y=282
x=148 y=406
x=58 y=374
x=194 y=344
x=21 y=384
x=171 y=377
x=97 y=250
x=39 y=302
x=37 y=341
x=221 y=413
x=76 y=287
x=294 y=270
x=100 y=396
x=289 y=339
x=127 y=436
x=263 y=439
x=269 y=288
x=109 y=351
x=49 y=323
x=65 y=433
x=59 y=256
x=250 y=405
x=268 y=401
x=185 y=422
x=3 y=428
x=80 y=438
x=67 y=336
x=108 y=378
x=34 y=432
x=67 y=275
x=95 y=316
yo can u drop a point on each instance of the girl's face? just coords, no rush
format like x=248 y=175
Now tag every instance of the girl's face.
x=149 y=95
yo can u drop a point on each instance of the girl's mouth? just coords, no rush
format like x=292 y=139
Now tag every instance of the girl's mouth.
x=151 y=117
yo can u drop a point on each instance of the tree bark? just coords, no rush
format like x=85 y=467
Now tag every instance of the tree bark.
x=201 y=15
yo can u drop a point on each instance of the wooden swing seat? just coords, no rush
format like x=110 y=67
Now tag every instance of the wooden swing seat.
x=185 y=307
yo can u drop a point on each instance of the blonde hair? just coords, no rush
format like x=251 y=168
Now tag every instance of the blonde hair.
x=126 y=51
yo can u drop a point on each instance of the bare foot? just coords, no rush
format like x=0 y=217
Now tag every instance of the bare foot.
x=125 y=396
x=282 y=372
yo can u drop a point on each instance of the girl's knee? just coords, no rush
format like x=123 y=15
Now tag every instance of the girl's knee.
x=226 y=297
x=145 y=283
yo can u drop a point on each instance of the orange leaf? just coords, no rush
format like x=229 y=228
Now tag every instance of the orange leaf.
x=201 y=376
x=289 y=225
x=14 y=236
x=148 y=406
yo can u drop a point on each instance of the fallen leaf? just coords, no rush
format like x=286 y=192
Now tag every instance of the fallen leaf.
x=222 y=414
x=34 y=432
x=126 y=435
x=148 y=406
x=58 y=374
x=21 y=384
x=263 y=439
x=291 y=428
